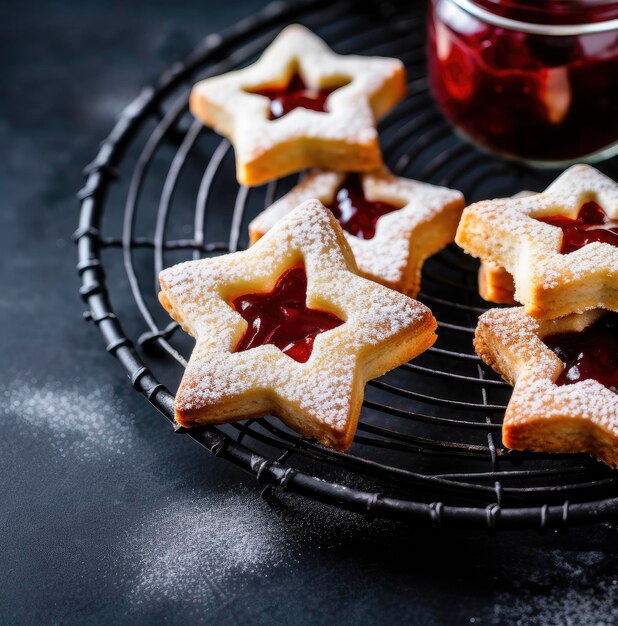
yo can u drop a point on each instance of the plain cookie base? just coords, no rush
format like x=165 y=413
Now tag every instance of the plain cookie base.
x=496 y=284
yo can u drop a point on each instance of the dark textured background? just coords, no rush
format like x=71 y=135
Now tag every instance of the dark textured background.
x=107 y=517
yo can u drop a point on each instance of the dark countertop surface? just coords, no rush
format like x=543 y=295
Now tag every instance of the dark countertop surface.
x=105 y=516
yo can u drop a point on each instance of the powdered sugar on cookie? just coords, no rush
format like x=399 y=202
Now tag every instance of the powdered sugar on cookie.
x=542 y=415
x=508 y=233
x=343 y=137
x=321 y=397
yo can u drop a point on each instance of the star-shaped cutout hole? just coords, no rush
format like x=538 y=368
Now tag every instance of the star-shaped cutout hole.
x=591 y=225
x=357 y=214
x=392 y=224
x=559 y=264
x=296 y=94
x=565 y=377
x=363 y=330
x=301 y=105
x=281 y=317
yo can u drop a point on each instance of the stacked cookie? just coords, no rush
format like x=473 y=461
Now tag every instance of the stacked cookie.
x=556 y=253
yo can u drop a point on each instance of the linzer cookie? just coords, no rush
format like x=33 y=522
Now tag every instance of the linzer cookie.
x=301 y=105
x=560 y=246
x=392 y=224
x=565 y=373
x=288 y=327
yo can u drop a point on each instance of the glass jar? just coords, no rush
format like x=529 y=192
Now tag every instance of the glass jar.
x=531 y=80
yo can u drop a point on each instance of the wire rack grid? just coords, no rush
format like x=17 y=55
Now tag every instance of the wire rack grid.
x=428 y=445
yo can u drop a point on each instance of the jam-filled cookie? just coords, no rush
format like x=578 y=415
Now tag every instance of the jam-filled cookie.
x=392 y=224
x=301 y=105
x=565 y=373
x=560 y=246
x=289 y=327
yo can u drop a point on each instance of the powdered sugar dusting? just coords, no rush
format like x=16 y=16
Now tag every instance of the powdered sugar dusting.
x=506 y=233
x=197 y=550
x=587 y=400
x=75 y=422
x=322 y=388
x=188 y=550
x=396 y=253
x=566 y=591
x=513 y=330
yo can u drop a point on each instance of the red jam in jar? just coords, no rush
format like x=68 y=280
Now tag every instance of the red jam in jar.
x=282 y=318
x=588 y=354
x=296 y=94
x=356 y=214
x=591 y=224
x=533 y=80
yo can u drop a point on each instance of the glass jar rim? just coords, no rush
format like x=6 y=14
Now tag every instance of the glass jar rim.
x=535 y=28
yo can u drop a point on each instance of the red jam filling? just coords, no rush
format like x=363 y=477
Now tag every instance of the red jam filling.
x=589 y=354
x=355 y=213
x=531 y=96
x=282 y=318
x=295 y=95
x=592 y=224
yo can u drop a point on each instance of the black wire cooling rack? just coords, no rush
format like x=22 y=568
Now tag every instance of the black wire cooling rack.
x=428 y=445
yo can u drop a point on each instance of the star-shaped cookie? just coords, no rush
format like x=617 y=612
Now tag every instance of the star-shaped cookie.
x=556 y=406
x=392 y=224
x=372 y=330
x=527 y=237
x=301 y=105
